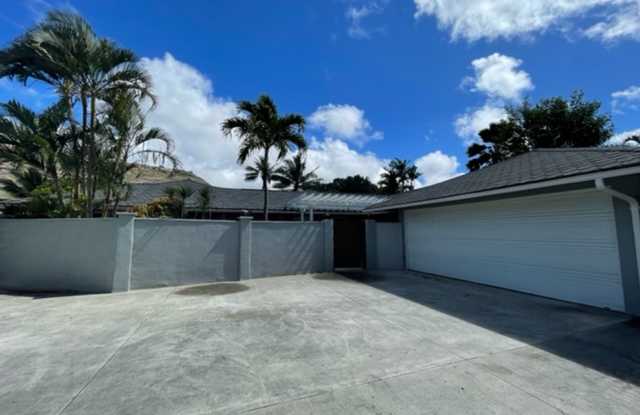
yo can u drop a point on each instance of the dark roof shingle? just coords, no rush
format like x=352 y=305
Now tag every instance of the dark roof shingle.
x=536 y=166
x=221 y=198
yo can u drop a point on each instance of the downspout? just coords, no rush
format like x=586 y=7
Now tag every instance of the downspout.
x=634 y=207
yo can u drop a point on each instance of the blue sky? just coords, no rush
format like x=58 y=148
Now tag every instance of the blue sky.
x=376 y=79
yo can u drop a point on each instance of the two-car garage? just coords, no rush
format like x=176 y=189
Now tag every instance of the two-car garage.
x=560 y=223
x=561 y=245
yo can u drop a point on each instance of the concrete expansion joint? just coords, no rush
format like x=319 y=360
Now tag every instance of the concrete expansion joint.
x=146 y=317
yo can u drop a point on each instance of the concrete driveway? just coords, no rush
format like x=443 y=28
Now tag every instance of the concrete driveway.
x=395 y=343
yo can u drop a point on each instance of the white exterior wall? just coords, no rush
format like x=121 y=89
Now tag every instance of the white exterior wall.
x=561 y=245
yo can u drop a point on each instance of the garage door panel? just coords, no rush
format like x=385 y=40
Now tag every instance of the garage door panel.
x=600 y=259
x=562 y=246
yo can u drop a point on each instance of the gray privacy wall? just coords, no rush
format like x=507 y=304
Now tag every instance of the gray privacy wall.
x=168 y=252
x=107 y=255
x=283 y=248
x=80 y=255
x=385 y=245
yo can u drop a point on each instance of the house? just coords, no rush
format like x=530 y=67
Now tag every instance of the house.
x=229 y=203
x=560 y=223
x=346 y=210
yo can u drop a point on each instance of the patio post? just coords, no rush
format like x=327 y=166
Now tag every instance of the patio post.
x=327 y=231
x=371 y=244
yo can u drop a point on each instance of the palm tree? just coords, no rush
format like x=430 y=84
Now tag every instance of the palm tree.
x=179 y=195
x=33 y=143
x=261 y=129
x=398 y=176
x=389 y=181
x=204 y=201
x=127 y=141
x=294 y=173
x=25 y=182
x=261 y=169
x=64 y=51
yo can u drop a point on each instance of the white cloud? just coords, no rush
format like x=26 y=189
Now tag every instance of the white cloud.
x=624 y=23
x=190 y=112
x=437 y=167
x=621 y=137
x=192 y=115
x=334 y=158
x=499 y=76
x=346 y=122
x=626 y=99
x=356 y=14
x=469 y=124
x=491 y=19
x=500 y=79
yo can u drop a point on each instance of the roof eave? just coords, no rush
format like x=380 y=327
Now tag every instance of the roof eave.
x=514 y=189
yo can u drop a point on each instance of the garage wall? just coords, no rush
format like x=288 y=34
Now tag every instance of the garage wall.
x=560 y=245
x=178 y=252
x=77 y=255
x=385 y=247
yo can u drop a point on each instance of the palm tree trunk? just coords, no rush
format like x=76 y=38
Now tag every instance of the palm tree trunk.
x=265 y=187
x=58 y=188
x=83 y=148
x=92 y=173
x=75 y=185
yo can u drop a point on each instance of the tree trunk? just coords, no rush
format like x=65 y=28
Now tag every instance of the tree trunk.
x=83 y=148
x=265 y=186
x=75 y=186
x=56 y=184
x=92 y=173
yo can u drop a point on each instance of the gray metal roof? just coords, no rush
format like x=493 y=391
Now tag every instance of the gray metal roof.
x=252 y=199
x=334 y=201
x=536 y=166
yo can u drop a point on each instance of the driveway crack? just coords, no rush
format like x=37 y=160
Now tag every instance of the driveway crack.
x=133 y=331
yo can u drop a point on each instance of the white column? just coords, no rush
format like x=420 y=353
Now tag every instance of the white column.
x=244 y=266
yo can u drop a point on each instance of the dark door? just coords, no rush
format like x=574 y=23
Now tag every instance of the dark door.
x=349 y=243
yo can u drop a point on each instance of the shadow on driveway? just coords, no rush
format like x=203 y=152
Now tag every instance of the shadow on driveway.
x=606 y=341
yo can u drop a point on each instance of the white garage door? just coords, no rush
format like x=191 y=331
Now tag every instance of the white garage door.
x=561 y=246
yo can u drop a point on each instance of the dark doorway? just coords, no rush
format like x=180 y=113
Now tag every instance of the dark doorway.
x=349 y=249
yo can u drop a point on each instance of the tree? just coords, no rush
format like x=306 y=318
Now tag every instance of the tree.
x=84 y=69
x=551 y=123
x=350 y=184
x=261 y=129
x=261 y=169
x=294 y=174
x=500 y=141
x=34 y=145
x=398 y=176
x=179 y=195
x=204 y=201
x=126 y=141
